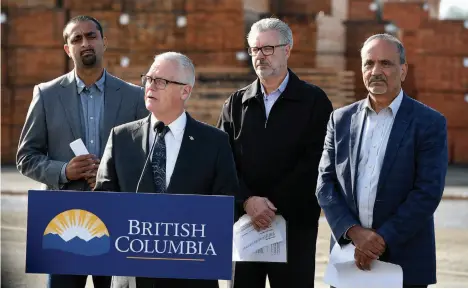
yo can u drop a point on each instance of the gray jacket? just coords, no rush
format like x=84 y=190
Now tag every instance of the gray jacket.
x=53 y=121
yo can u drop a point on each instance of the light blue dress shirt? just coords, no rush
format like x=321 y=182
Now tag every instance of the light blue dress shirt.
x=92 y=111
x=270 y=99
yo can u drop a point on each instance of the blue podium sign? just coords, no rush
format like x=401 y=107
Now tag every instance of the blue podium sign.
x=128 y=234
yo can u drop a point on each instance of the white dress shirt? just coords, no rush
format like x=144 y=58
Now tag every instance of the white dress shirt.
x=270 y=99
x=173 y=139
x=375 y=134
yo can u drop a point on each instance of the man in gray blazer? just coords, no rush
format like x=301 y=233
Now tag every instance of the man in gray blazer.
x=86 y=103
x=168 y=151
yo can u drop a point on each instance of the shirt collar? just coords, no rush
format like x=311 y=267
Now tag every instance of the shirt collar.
x=176 y=127
x=99 y=84
x=394 y=106
x=281 y=88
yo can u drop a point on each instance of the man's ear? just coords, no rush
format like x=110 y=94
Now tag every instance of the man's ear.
x=186 y=91
x=404 y=72
x=105 y=43
x=67 y=49
x=287 y=49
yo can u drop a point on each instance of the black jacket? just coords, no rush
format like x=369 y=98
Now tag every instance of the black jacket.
x=204 y=164
x=278 y=158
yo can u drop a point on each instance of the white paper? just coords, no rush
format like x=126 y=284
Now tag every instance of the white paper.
x=337 y=255
x=381 y=275
x=275 y=252
x=343 y=272
x=78 y=147
x=249 y=240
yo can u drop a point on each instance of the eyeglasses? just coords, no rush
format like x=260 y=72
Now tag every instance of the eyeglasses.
x=161 y=83
x=266 y=50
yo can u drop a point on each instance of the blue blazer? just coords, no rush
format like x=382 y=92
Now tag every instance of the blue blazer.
x=410 y=185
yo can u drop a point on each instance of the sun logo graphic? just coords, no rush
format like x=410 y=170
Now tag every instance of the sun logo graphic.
x=77 y=231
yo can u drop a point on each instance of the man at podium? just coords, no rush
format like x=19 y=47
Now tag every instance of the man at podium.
x=168 y=151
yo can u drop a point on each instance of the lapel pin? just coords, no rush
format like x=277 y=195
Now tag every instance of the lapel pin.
x=191 y=137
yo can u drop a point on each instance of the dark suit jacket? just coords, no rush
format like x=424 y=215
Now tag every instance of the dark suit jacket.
x=205 y=164
x=53 y=122
x=410 y=185
x=278 y=158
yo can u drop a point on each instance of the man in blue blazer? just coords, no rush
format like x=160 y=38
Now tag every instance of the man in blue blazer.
x=382 y=172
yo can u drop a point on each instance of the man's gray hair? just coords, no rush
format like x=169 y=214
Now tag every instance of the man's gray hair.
x=185 y=65
x=272 y=24
x=391 y=39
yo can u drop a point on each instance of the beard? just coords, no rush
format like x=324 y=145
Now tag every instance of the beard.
x=89 y=60
x=263 y=73
x=264 y=70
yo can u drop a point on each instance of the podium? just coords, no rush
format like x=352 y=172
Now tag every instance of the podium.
x=129 y=234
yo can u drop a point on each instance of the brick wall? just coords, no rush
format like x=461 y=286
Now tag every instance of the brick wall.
x=298 y=7
x=431 y=6
x=28 y=3
x=458 y=145
x=32 y=43
x=406 y=15
x=304 y=29
x=436 y=52
x=31 y=53
x=331 y=37
x=361 y=10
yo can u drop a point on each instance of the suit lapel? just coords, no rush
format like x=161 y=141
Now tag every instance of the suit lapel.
x=141 y=137
x=357 y=123
x=188 y=149
x=71 y=104
x=112 y=100
x=397 y=133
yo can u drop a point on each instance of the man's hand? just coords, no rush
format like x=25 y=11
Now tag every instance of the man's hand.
x=362 y=261
x=91 y=182
x=367 y=241
x=82 y=167
x=91 y=175
x=261 y=210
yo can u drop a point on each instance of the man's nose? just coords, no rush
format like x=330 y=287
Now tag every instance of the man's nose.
x=151 y=87
x=259 y=56
x=84 y=42
x=376 y=69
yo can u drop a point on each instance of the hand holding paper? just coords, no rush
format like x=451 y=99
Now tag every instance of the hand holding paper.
x=343 y=272
x=78 y=147
x=267 y=245
x=261 y=210
x=84 y=165
x=367 y=241
x=363 y=262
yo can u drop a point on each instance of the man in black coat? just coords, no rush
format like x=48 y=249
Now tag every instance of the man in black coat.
x=277 y=127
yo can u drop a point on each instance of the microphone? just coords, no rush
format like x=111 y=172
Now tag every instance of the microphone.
x=158 y=128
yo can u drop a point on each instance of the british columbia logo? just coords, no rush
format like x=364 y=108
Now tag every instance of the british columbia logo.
x=77 y=231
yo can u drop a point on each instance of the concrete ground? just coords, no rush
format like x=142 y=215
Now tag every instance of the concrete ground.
x=451 y=233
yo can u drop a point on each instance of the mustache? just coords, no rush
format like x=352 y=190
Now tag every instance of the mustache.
x=262 y=62
x=376 y=78
x=86 y=50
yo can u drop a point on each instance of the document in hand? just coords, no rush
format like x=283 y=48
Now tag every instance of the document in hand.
x=268 y=245
x=78 y=147
x=343 y=272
